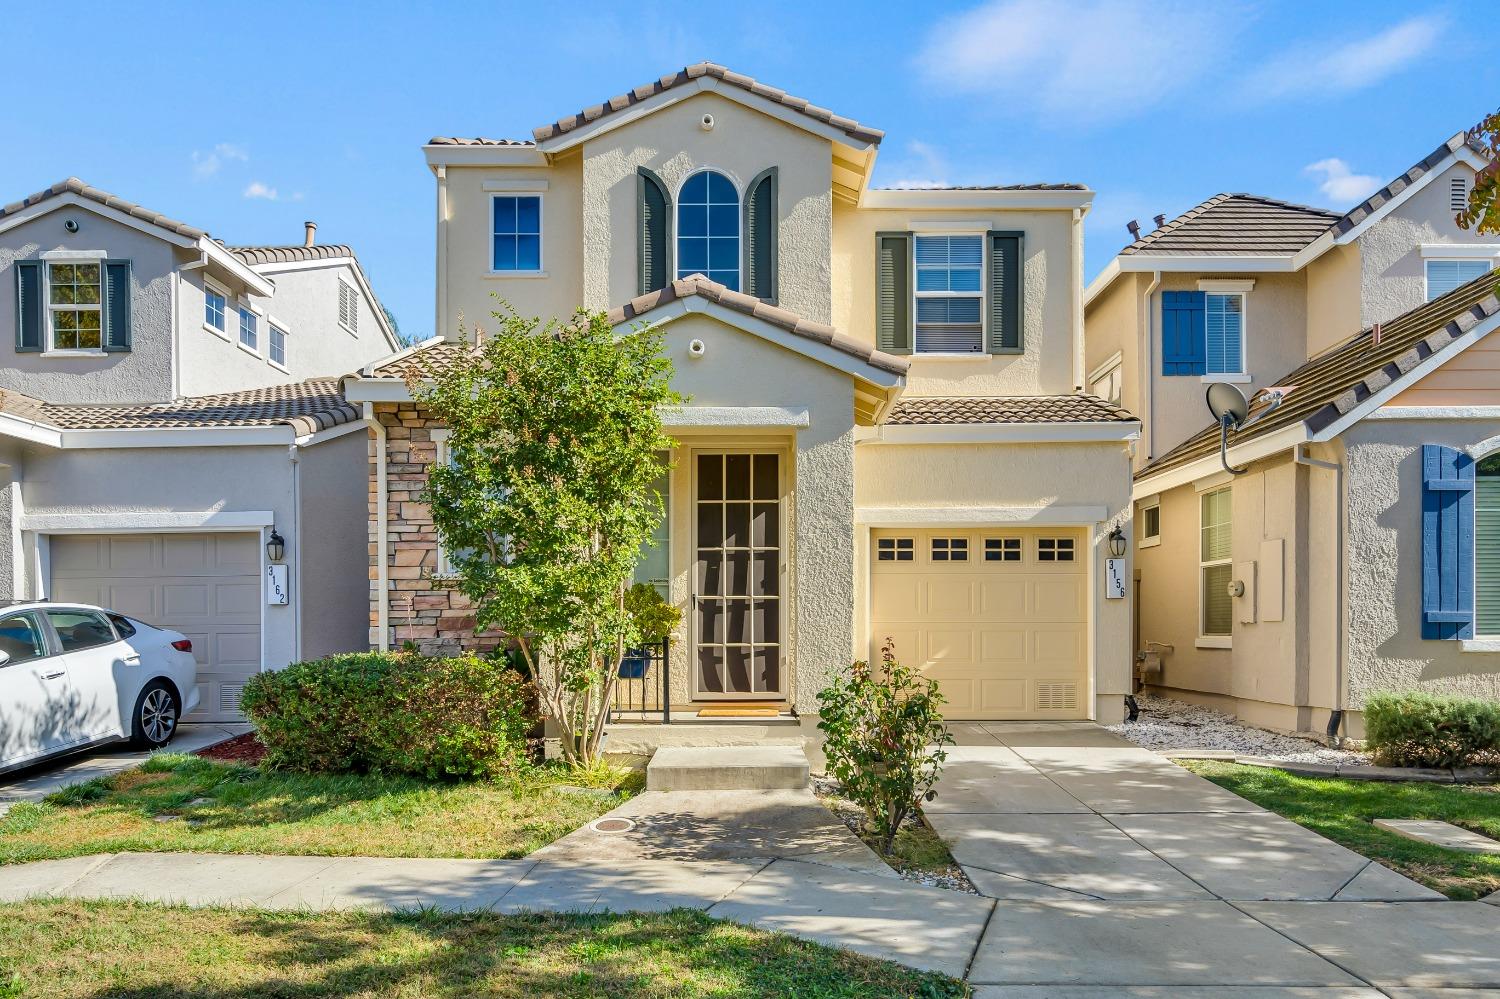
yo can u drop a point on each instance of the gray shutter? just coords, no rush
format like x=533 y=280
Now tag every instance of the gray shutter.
x=116 y=305
x=29 y=331
x=893 y=292
x=654 y=231
x=760 y=236
x=1006 y=301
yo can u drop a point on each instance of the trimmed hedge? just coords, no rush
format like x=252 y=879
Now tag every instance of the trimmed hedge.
x=393 y=713
x=1426 y=730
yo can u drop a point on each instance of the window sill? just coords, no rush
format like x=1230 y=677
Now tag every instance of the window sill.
x=1150 y=542
x=75 y=353
x=249 y=350
x=221 y=334
x=1231 y=379
x=979 y=355
x=1215 y=642
x=1479 y=645
x=279 y=367
x=497 y=275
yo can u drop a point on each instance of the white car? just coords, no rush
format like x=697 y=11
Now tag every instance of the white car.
x=73 y=676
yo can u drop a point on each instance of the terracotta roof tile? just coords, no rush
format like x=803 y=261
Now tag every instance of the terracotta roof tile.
x=78 y=187
x=434 y=358
x=306 y=407
x=456 y=140
x=1237 y=225
x=1372 y=204
x=1077 y=408
x=253 y=255
x=850 y=127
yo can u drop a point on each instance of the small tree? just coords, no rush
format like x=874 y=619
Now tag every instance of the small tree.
x=555 y=440
x=884 y=739
x=1483 y=213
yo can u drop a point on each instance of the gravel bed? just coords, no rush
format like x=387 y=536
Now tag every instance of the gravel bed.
x=1168 y=724
x=831 y=793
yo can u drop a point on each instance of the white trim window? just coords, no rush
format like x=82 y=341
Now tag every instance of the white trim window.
x=1150 y=529
x=708 y=228
x=249 y=329
x=215 y=309
x=1224 y=333
x=348 y=309
x=276 y=345
x=74 y=311
x=1444 y=274
x=1487 y=547
x=949 y=294
x=516 y=233
x=1215 y=564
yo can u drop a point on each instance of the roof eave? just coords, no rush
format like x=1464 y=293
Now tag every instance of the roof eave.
x=927 y=198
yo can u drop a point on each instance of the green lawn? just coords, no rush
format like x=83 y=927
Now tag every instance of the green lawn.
x=179 y=802
x=1343 y=811
x=130 y=950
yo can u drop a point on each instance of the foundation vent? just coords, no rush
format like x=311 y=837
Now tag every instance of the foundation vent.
x=1056 y=696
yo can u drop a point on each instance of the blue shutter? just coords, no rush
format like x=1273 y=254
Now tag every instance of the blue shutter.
x=28 y=306
x=1183 y=332
x=117 y=305
x=1447 y=543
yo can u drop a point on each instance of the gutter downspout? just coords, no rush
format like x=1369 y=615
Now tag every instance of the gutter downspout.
x=438 y=326
x=177 y=331
x=294 y=456
x=1336 y=714
x=382 y=571
x=1149 y=425
x=1075 y=282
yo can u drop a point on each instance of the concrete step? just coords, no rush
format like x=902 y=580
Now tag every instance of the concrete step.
x=727 y=768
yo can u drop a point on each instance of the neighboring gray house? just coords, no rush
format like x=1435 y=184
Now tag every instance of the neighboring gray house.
x=167 y=404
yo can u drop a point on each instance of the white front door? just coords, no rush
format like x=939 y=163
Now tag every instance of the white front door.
x=38 y=711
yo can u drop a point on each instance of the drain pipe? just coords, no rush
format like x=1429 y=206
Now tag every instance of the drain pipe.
x=382 y=570
x=1336 y=714
x=1147 y=375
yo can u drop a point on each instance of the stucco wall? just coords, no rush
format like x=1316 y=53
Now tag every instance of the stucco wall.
x=1333 y=298
x=1393 y=277
x=142 y=374
x=1045 y=366
x=743 y=142
x=942 y=476
x=334 y=479
x=1386 y=650
x=1112 y=323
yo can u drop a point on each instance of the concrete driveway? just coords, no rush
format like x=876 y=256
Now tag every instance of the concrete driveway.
x=1119 y=873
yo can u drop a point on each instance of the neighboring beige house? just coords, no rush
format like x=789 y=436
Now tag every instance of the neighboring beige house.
x=886 y=435
x=1289 y=593
x=167 y=404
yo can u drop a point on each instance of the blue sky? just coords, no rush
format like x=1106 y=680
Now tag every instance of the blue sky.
x=245 y=119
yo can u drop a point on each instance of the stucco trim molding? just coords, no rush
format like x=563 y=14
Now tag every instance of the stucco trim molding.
x=1491 y=645
x=739 y=417
x=1480 y=251
x=136 y=522
x=976 y=516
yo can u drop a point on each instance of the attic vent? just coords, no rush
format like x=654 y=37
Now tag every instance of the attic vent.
x=1458 y=195
x=1056 y=696
x=229 y=697
x=348 y=308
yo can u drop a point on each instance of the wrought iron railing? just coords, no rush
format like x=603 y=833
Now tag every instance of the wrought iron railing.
x=644 y=688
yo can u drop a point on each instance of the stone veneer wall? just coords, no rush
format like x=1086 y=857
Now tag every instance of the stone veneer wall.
x=437 y=619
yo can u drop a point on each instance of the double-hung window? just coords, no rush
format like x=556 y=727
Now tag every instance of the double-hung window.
x=214 y=307
x=1444 y=276
x=249 y=329
x=1215 y=562
x=1225 y=333
x=517 y=233
x=74 y=296
x=276 y=342
x=949 y=294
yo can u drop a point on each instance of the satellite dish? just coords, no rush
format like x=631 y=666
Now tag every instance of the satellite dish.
x=1231 y=409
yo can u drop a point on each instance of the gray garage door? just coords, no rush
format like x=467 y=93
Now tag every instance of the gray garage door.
x=206 y=586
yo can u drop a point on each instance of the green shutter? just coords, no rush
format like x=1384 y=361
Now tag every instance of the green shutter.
x=117 y=305
x=760 y=236
x=893 y=292
x=29 y=332
x=1487 y=549
x=654 y=236
x=1006 y=300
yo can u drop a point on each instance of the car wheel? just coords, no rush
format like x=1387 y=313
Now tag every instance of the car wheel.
x=155 y=719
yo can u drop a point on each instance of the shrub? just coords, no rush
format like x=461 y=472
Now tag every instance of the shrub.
x=884 y=740
x=392 y=713
x=1426 y=730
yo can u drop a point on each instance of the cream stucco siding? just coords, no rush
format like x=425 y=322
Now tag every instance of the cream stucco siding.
x=1333 y=297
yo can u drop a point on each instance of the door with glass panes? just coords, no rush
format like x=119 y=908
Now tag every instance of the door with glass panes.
x=738 y=580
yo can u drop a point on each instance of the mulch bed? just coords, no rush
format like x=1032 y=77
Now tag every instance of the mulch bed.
x=241 y=749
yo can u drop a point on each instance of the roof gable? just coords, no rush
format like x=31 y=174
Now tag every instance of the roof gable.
x=1385 y=199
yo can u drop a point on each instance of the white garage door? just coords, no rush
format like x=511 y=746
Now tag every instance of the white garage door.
x=998 y=618
x=206 y=586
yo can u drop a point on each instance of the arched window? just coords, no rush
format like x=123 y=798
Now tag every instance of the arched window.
x=708 y=229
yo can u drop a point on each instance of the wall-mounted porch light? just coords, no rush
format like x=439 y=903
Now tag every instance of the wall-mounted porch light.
x=275 y=546
x=1117 y=542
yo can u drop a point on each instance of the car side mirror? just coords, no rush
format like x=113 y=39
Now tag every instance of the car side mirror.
x=4 y=657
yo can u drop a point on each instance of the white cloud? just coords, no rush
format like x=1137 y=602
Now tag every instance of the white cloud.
x=1341 y=184
x=1088 y=59
x=262 y=191
x=1321 y=69
x=922 y=167
x=207 y=164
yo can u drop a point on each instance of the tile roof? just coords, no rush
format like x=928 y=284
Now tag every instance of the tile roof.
x=253 y=255
x=697 y=284
x=850 y=127
x=435 y=357
x=306 y=407
x=1372 y=204
x=458 y=140
x=78 y=187
x=1077 y=408
x=1334 y=383
x=1237 y=225
x=990 y=187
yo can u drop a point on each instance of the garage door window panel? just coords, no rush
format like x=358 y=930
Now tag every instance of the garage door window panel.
x=895 y=549
x=1002 y=549
x=950 y=549
x=1054 y=550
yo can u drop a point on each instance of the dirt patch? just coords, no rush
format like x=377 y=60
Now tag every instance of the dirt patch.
x=245 y=749
x=919 y=855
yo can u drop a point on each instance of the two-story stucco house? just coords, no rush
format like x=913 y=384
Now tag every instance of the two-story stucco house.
x=1337 y=558
x=885 y=436
x=168 y=404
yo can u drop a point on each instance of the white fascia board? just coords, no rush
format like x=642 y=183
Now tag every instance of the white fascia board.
x=1463 y=155
x=812 y=349
x=281 y=266
x=1312 y=251
x=179 y=437
x=1101 y=281
x=1147 y=263
x=332 y=433
x=252 y=279
x=1239 y=455
x=976 y=516
x=1000 y=433
x=29 y=431
x=376 y=390
x=1464 y=251
x=736 y=417
x=137 y=521
x=439 y=157
x=920 y=199
x=1103 y=368
x=1436 y=413
x=71 y=199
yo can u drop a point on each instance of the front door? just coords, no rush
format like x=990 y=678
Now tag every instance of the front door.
x=737 y=577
